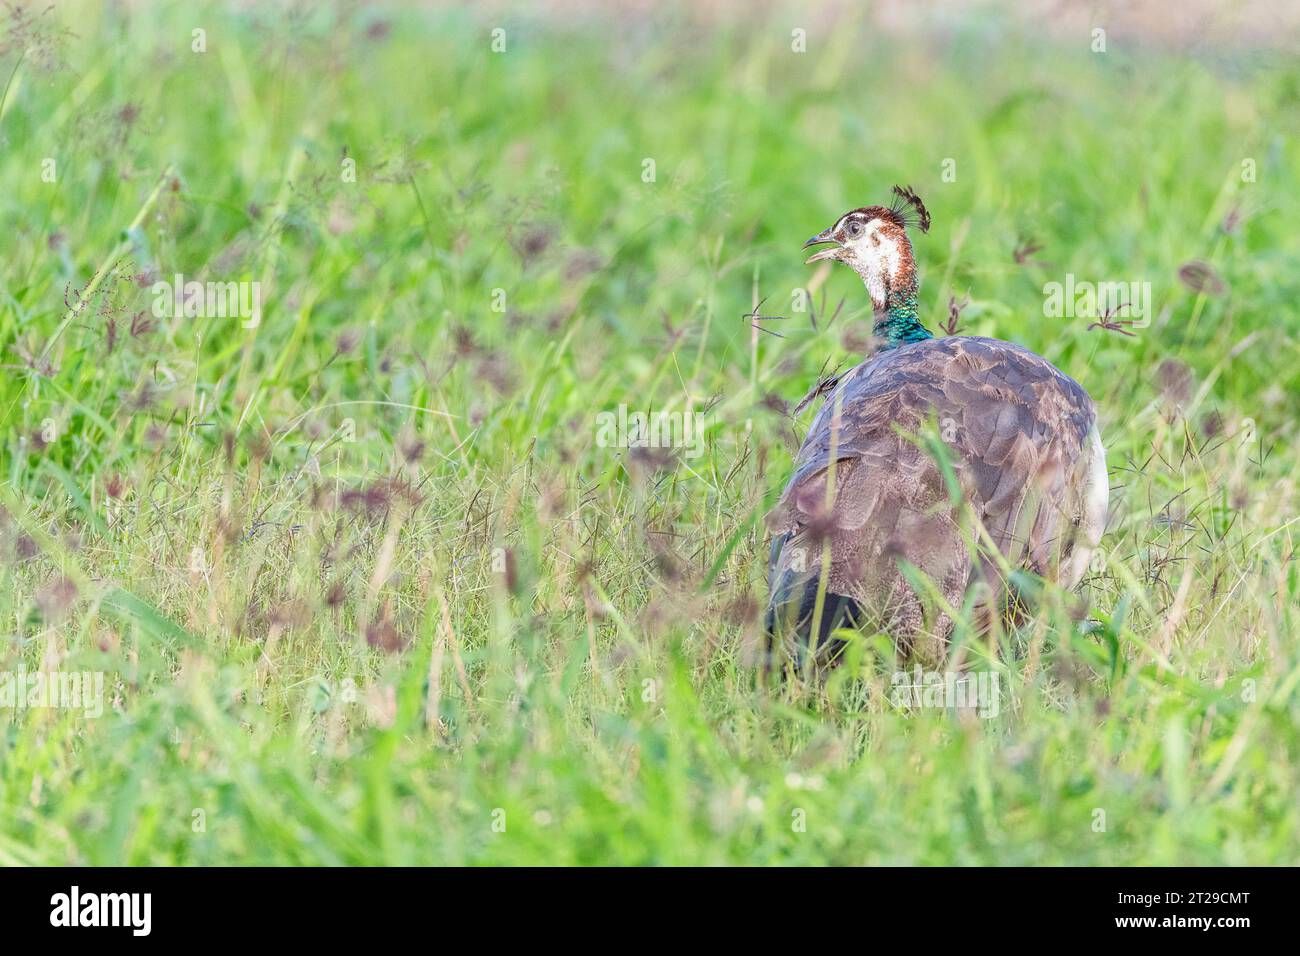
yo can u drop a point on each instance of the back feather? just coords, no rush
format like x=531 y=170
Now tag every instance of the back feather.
x=1017 y=432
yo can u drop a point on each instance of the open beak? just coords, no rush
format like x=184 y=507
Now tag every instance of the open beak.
x=817 y=240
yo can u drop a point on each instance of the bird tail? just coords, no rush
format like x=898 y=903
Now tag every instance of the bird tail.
x=790 y=619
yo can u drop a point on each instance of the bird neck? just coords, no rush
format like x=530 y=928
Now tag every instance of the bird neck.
x=897 y=319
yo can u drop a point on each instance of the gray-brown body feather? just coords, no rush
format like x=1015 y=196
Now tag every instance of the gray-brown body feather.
x=1020 y=439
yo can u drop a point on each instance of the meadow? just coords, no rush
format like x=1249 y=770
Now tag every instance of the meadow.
x=366 y=585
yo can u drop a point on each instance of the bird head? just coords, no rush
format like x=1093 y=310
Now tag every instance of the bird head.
x=873 y=242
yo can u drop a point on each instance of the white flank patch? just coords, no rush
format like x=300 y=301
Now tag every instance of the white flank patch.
x=1096 y=503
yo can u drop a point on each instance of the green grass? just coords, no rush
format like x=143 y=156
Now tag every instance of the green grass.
x=249 y=515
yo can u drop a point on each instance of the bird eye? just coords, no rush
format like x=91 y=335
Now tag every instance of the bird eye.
x=855 y=229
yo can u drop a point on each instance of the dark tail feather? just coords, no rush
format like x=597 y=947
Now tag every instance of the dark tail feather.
x=790 y=613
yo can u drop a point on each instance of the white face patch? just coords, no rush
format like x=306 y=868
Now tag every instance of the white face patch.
x=874 y=255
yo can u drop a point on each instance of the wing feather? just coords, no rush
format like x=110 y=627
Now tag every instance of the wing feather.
x=1017 y=429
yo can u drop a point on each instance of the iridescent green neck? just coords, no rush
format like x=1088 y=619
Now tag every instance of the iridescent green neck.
x=898 y=323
